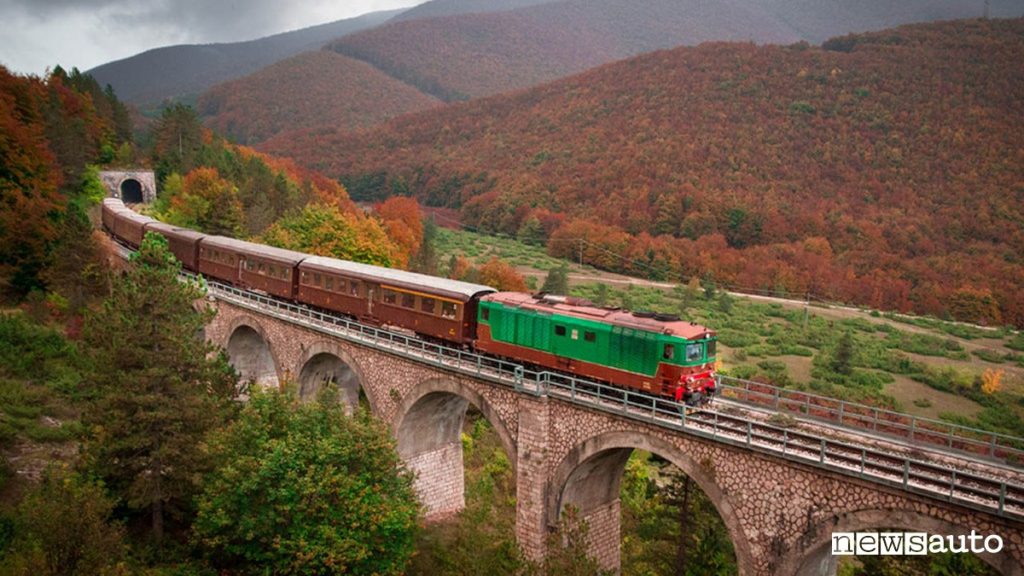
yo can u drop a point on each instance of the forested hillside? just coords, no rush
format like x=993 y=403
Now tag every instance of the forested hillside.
x=471 y=55
x=186 y=70
x=306 y=91
x=883 y=169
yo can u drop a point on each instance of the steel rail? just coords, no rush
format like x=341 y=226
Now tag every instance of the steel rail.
x=993 y=446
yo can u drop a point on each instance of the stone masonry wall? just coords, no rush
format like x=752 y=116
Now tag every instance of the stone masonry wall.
x=440 y=482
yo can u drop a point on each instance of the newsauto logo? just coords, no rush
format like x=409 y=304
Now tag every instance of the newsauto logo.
x=911 y=543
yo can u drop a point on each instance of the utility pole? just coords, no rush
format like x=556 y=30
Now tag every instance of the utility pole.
x=986 y=10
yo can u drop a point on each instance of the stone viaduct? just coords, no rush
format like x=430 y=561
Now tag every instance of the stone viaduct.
x=779 y=513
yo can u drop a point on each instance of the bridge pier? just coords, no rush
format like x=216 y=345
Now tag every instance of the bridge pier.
x=531 y=476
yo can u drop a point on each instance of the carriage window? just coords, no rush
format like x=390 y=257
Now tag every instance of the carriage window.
x=485 y=313
x=389 y=296
x=328 y=283
x=249 y=265
x=316 y=279
x=408 y=300
x=711 y=348
x=427 y=305
x=286 y=273
x=353 y=288
x=449 y=309
x=304 y=277
x=670 y=352
x=261 y=268
x=575 y=334
x=589 y=336
x=694 y=352
x=559 y=330
x=341 y=286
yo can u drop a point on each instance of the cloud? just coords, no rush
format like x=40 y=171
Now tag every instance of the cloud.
x=86 y=33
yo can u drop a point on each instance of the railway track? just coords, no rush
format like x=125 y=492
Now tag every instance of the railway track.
x=954 y=478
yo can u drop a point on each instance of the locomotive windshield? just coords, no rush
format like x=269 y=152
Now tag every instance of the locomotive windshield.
x=694 y=352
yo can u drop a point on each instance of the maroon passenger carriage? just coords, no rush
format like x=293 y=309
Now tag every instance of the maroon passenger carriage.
x=434 y=307
x=249 y=265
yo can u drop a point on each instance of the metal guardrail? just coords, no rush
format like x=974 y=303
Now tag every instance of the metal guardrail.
x=937 y=481
x=919 y=431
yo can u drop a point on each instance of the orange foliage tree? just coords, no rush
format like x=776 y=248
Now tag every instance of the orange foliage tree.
x=327 y=231
x=29 y=179
x=501 y=275
x=206 y=202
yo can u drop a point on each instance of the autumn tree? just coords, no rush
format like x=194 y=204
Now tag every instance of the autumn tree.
x=404 y=225
x=501 y=275
x=157 y=388
x=206 y=202
x=29 y=180
x=327 y=231
x=303 y=488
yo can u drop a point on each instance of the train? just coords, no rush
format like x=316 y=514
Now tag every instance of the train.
x=657 y=354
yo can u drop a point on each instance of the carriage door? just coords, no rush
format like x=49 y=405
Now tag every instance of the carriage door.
x=369 y=300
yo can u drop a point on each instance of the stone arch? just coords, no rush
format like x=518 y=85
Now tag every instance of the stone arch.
x=812 y=552
x=131 y=191
x=589 y=478
x=428 y=424
x=325 y=361
x=251 y=354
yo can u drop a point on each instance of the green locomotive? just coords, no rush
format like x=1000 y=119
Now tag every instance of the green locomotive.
x=657 y=354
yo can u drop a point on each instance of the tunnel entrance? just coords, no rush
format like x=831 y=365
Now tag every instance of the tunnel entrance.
x=131 y=191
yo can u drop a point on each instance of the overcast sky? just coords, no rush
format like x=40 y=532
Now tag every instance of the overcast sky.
x=36 y=34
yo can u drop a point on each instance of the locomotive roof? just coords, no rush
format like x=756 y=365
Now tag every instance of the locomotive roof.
x=400 y=278
x=252 y=249
x=615 y=316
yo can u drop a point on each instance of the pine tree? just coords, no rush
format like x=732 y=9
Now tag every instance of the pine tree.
x=843 y=359
x=156 y=388
x=557 y=281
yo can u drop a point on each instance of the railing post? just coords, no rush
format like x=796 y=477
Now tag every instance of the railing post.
x=842 y=406
x=913 y=427
x=952 y=484
x=821 y=459
x=992 y=447
x=750 y=427
x=1002 y=497
x=776 y=404
x=906 y=472
x=785 y=440
x=519 y=377
x=863 y=460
